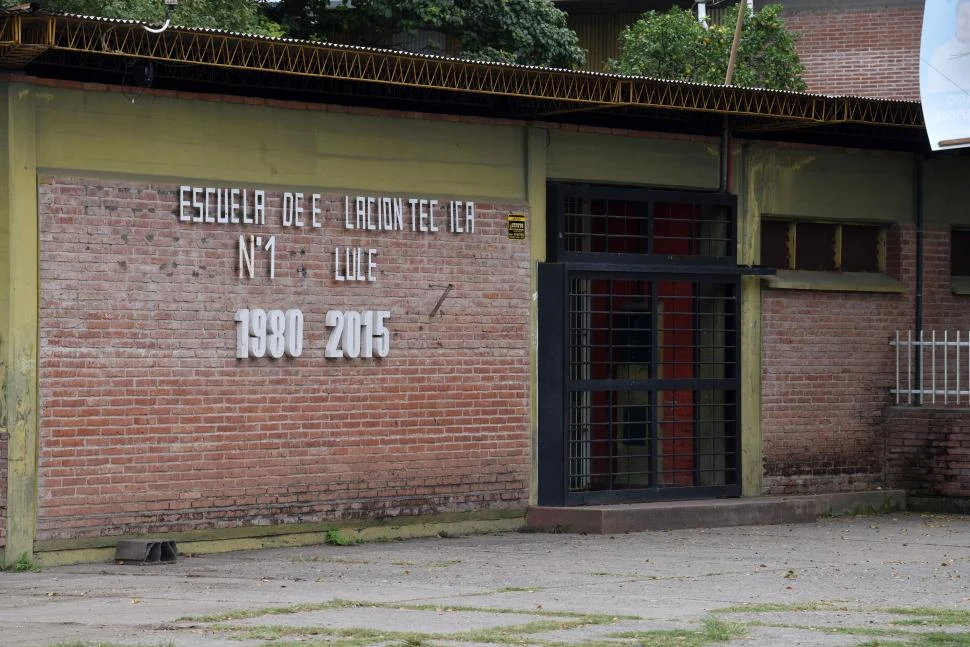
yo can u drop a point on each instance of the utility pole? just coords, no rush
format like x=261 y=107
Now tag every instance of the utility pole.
x=726 y=135
x=742 y=9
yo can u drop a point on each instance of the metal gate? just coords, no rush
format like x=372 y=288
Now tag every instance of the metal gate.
x=638 y=312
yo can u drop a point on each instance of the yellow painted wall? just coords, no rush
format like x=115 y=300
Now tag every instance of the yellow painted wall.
x=105 y=133
x=645 y=161
x=536 y=168
x=4 y=243
x=830 y=184
x=19 y=327
x=169 y=138
x=748 y=236
x=4 y=299
x=945 y=189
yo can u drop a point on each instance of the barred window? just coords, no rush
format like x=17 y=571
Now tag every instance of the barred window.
x=632 y=225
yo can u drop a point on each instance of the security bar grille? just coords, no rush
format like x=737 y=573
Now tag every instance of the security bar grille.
x=933 y=369
x=651 y=386
x=639 y=304
x=646 y=227
x=599 y=223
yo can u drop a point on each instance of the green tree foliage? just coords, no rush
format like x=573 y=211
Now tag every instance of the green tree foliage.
x=528 y=32
x=674 y=45
x=245 y=16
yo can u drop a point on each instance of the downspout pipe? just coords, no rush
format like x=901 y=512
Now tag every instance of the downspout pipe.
x=724 y=180
x=918 y=199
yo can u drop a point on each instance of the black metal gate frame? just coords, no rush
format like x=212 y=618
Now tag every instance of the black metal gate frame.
x=555 y=383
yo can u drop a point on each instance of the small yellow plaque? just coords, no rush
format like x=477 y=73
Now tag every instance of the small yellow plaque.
x=516 y=222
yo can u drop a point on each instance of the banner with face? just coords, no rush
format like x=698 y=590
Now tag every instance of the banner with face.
x=945 y=73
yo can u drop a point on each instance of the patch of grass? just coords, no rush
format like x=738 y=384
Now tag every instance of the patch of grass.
x=936 y=639
x=719 y=630
x=24 y=564
x=665 y=638
x=327 y=642
x=593 y=618
x=512 y=634
x=886 y=637
x=713 y=630
x=277 y=632
x=337 y=538
x=774 y=607
x=847 y=631
x=858 y=631
x=941 y=639
x=414 y=642
x=329 y=560
x=504 y=635
x=933 y=616
x=244 y=614
x=519 y=589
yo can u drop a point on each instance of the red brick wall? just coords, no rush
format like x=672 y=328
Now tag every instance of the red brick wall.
x=827 y=371
x=944 y=314
x=928 y=451
x=828 y=423
x=149 y=424
x=870 y=52
x=942 y=309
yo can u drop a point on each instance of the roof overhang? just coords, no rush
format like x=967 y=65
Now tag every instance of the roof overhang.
x=184 y=59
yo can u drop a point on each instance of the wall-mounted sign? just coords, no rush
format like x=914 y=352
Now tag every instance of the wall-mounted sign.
x=516 y=223
x=353 y=334
x=944 y=73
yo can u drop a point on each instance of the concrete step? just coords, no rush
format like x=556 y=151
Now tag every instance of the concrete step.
x=711 y=513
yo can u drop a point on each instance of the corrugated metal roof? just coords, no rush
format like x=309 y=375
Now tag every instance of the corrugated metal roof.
x=72 y=46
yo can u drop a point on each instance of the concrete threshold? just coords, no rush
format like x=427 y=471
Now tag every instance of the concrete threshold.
x=711 y=513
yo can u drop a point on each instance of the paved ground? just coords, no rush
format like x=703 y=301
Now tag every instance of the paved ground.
x=871 y=580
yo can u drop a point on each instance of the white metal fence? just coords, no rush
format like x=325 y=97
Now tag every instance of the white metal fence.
x=932 y=368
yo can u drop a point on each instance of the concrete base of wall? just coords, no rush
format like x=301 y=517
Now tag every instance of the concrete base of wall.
x=102 y=549
x=611 y=519
x=938 y=505
x=588 y=519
